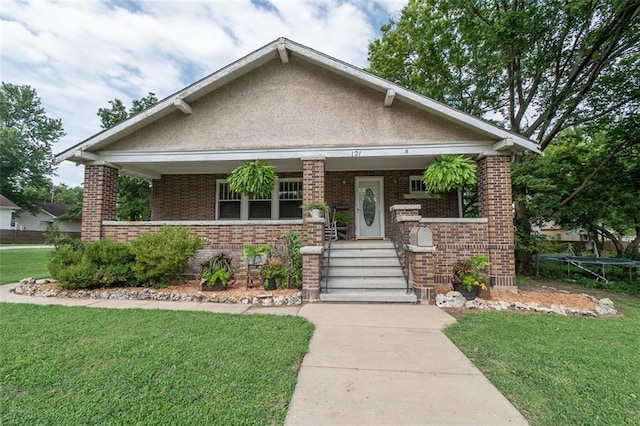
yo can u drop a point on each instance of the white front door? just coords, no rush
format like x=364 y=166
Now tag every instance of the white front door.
x=369 y=208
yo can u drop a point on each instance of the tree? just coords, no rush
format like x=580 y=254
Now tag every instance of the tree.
x=608 y=205
x=133 y=192
x=535 y=67
x=26 y=136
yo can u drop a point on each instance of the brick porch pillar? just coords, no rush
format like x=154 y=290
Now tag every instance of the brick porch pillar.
x=313 y=175
x=494 y=199
x=99 y=199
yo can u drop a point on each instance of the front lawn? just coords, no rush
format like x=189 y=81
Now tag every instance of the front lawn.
x=22 y=263
x=559 y=370
x=76 y=365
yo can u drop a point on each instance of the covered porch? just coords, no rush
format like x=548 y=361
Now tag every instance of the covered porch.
x=380 y=193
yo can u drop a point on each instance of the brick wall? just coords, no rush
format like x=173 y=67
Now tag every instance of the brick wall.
x=184 y=197
x=455 y=241
x=99 y=199
x=494 y=199
x=229 y=238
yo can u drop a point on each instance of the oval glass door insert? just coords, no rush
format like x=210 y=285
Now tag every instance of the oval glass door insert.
x=369 y=207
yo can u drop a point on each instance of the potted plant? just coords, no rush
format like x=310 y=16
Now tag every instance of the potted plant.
x=264 y=251
x=469 y=276
x=316 y=208
x=343 y=220
x=250 y=254
x=217 y=272
x=255 y=179
x=274 y=273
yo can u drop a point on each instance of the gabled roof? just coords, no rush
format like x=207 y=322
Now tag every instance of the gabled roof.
x=281 y=49
x=55 y=209
x=7 y=203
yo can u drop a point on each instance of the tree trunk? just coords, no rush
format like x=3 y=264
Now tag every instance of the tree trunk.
x=524 y=264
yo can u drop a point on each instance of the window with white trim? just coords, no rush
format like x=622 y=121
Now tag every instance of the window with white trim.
x=283 y=203
x=290 y=198
x=416 y=185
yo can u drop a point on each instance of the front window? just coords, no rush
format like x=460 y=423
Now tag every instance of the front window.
x=283 y=203
x=229 y=202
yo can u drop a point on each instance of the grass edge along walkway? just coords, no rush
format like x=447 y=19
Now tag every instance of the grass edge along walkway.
x=17 y=264
x=78 y=365
x=559 y=370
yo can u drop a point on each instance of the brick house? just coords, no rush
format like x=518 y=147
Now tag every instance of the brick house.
x=335 y=133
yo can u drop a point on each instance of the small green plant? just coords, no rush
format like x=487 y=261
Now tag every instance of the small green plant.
x=56 y=237
x=452 y=171
x=316 y=205
x=163 y=255
x=471 y=272
x=292 y=243
x=70 y=268
x=343 y=219
x=274 y=269
x=265 y=249
x=219 y=268
x=255 y=179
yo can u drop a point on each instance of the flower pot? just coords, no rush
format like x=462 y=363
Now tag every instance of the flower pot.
x=270 y=284
x=469 y=295
x=216 y=286
x=316 y=213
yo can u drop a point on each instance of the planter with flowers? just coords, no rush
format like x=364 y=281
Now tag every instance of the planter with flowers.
x=470 y=276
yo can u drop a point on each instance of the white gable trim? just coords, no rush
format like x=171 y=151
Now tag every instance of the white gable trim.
x=279 y=49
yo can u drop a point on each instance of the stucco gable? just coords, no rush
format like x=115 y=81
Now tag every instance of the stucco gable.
x=293 y=105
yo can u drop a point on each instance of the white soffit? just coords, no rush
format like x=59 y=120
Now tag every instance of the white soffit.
x=280 y=49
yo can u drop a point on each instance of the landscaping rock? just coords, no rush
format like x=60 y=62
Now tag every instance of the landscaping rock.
x=452 y=299
x=605 y=307
x=476 y=304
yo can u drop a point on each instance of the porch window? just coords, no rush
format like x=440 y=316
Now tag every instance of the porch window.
x=416 y=185
x=283 y=203
x=290 y=198
x=229 y=202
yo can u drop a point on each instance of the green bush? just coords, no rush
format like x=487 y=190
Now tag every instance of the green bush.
x=163 y=255
x=113 y=262
x=292 y=243
x=61 y=258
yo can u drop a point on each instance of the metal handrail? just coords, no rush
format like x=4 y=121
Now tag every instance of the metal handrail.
x=326 y=283
x=399 y=244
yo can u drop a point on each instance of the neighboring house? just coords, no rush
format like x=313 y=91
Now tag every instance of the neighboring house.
x=48 y=214
x=555 y=232
x=335 y=133
x=7 y=207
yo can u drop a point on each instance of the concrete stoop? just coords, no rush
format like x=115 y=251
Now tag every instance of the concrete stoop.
x=363 y=272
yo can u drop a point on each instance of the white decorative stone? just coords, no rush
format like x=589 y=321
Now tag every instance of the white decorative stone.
x=605 y=307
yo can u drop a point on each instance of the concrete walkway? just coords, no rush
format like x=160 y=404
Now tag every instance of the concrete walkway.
x=367 y=364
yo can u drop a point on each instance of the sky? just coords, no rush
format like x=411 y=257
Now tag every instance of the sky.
x=79 y=54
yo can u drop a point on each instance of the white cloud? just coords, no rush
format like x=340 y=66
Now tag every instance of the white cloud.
x=80 y=54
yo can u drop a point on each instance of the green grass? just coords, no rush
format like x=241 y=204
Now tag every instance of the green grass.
x=76 y=365
x=559 y=370
x=23 y=263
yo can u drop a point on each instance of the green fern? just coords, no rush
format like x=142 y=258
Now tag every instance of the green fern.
x=255 y=179
x=452 y=171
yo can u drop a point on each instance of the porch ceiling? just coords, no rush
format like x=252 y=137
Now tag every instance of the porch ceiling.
x=155 y=170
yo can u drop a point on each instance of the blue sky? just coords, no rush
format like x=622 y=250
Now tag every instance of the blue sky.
x=79 y=54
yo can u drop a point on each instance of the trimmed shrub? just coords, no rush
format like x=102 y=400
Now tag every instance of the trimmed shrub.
x=113 y=262
x=163 y=255
x=69 y=267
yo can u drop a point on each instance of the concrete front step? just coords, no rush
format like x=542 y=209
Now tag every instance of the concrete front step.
x=364 y=271
x=365 y=244
x=371 y=262
x=361 y=253
x=368 y=296
x=365 y=283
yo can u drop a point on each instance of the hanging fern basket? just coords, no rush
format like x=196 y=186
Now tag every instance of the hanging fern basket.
x=254 y=179
x=452 y=171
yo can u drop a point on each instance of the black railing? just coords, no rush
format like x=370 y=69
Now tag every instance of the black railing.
x=326 y=276
x=399 y=243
